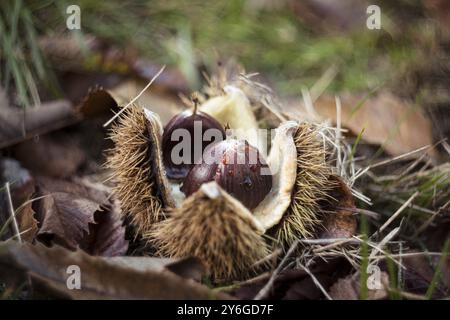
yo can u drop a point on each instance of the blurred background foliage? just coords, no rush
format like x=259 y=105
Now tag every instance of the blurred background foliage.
x=293 y=43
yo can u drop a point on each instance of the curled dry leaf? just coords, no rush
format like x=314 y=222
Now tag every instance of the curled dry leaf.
x=73 y=214
x=64 y=217
x=97 y=102
x=106 y=237
x=101 y=277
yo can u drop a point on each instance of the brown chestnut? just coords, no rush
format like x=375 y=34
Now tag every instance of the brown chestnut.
x=237 y=167
x=195 y=124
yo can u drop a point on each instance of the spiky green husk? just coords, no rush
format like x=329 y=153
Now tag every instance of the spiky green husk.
x=131 y=166
x=227 y=242
x=311 y=187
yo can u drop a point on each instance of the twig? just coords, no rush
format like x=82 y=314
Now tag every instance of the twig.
x=135 y=98
x=371 y=214
x=328 y=241
x=410 y=254
x=316 y=282
x=16 y=229
x=324 y=81
x=383 y=242
x=407 y=295
x=308 y=104
x=272 y=256
x=396 y=214
x=381 y=163
x=412 y=206
x=268 y=286
x=12 y=214
x=333 y=245
x=430 y=220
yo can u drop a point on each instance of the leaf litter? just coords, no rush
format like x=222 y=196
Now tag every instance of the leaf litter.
x=80 y=221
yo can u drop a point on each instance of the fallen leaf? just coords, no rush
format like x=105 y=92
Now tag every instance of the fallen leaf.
x=100 y=101
x=100 y=278
x=387 y=120
x=106 y=237
x=97 y=102
x=76 y=186
x=66 y=219
x=75 y=214
x=188 y=268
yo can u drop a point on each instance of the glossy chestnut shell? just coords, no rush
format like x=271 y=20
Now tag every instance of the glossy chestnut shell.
x=186 y=120
x=237 y=167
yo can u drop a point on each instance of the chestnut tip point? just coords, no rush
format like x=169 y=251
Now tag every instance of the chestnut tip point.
x=211 y=190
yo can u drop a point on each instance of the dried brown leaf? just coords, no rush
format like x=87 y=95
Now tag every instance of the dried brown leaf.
x=75 y=214
x=100 y=278
x=188 y=268
x=66 y=219
x=106 y=236
x=396 y=124
x=97 y=102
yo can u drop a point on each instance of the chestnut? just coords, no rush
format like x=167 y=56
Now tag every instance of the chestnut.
x=196 y=123
x=237 y=167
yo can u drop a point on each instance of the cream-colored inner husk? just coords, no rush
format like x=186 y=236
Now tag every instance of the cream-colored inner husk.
x=282 y=162
x=234 y=109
